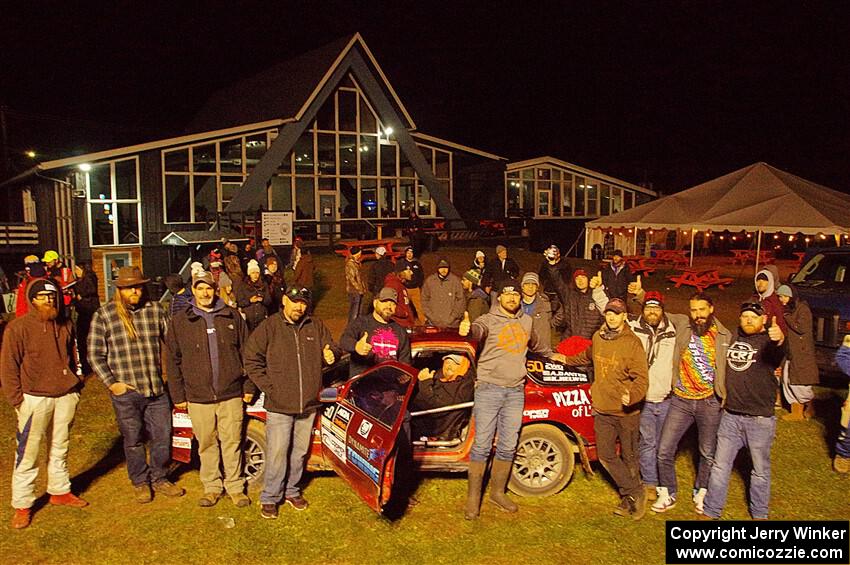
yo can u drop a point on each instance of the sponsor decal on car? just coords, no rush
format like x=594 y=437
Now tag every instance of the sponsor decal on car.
x=333 y=443
x=576 y=399
x=368 y=469
x=181 y=442
x=555 y=373
x=259 y=405
x=181 y=420
x=536 y=414
x=364 y=429
x=342 y=417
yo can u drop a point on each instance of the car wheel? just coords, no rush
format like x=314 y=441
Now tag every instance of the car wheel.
x=255 y=451
x=544 y=463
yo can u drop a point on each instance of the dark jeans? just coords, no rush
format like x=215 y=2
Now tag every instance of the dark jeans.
x=354 y=302
x=623 y=468
x=83 y=324
x=755 y=433
x=683 y=413
x=137 y=415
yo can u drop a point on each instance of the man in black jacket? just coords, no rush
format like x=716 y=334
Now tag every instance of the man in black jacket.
x=284 y=357
x=617 y=276
x=204 y=358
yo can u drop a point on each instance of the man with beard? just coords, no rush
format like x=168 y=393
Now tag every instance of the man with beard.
x=38 y=371
x=442 y=297
x=619 y=386
x=698 y=369
x=766 y=283
x=291 y=390
x=372 y=338
x=616 y=277
x=748 y=419
x=204 y=345
x=656 y=330
x=447 y=386
x=506 y=335
x=125 y=353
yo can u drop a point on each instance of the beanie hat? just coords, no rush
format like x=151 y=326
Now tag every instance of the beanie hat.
x=653 y=298
x=785 y=290
x=473 y=276
x=253 y=266
x=41 y=285
x=579 y=273
x=531 y=278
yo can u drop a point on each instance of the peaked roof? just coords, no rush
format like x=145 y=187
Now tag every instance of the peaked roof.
x=758 y=197
x=284 y=90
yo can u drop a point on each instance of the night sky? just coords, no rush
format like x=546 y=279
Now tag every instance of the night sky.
x=673 y=93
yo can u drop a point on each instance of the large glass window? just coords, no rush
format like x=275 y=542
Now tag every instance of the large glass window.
x=231 y=155
x=605 y=199
x=304 y=154
x=578 y=203
x=348 y=197
x=368 y=198
x=177 y=198
x=592 y=190
x=347 y=110
x=389 y=153
x=114 y=203
x=327 y=153
x=368 y=151
x=305 y=199
x=406 y=195
x=347 y=154
x=567 y=194
x=387 y=198
x=280 y=193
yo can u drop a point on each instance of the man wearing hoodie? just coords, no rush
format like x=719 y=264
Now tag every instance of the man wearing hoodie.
x=506 y=334
x=38 y=371
x=284 y=358
x=748 y=420
x=620 y=384
x=442 y=297
x=204 y=358
x=379 y=270
x=766 y=283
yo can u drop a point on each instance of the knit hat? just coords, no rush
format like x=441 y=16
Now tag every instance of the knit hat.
x=443 y=263
x=531 y=277
x=354 y=250
x=253 y=266
x=380 y=251
x=579 y=273
x=41 y=285
x=785 y=290
x=224 y=280
x=653 y=298
x=479 y=254
x=473 y=276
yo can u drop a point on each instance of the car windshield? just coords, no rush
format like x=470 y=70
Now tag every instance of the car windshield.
x=825 y=268
x=380 y=394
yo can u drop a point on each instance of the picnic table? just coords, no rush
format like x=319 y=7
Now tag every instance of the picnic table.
x=675 y=256
x=799 y=255
x=640 y=265
x=368 y=247
x=744 y=256
x=700 y=279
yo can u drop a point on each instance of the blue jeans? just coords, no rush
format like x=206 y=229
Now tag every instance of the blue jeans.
x=138 y=415
x=354 y=301
x=287 y=443
x=497 y=412
x=652 y=417
x=682 y=414
x=842 y=446
x=736 y=431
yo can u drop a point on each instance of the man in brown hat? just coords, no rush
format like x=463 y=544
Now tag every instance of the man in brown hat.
x=124 y=351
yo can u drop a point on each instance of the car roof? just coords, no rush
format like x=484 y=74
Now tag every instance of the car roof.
x=428 y=335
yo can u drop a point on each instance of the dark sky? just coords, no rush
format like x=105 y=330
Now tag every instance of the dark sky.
x=674 y=93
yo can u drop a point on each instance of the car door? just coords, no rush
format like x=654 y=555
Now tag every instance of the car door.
x=359 y=432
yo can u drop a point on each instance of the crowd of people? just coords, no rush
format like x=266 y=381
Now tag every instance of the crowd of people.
x=242 y=324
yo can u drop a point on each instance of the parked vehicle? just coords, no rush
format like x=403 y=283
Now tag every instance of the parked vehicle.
x=356 y=433
x=823 y=282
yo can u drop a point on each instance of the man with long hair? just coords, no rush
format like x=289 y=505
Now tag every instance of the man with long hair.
x=38 y=370
x=124 y=350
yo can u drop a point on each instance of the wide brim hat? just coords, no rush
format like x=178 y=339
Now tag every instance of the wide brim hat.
x=128 y=276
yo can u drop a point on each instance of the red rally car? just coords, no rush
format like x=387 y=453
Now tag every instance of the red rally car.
x=355 y=434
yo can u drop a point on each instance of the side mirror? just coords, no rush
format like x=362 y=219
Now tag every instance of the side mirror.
x=329 y=395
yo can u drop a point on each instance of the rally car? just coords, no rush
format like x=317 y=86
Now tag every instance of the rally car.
x=355 y=434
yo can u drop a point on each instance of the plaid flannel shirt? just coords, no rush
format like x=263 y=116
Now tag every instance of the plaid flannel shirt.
x=117 y=358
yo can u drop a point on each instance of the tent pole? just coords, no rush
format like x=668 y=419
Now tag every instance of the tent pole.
x=758 y=251
x=693 y=235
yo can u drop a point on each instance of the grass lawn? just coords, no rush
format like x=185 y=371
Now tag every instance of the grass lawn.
x=575 y=526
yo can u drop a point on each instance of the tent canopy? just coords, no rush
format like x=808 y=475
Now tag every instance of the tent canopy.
x=758 y=197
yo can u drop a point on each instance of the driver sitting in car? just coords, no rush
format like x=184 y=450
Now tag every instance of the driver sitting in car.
x=448 y=386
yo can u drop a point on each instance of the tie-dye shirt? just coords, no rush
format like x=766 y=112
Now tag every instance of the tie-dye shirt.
x=698 y=366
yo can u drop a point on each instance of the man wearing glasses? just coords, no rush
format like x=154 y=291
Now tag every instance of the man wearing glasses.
x=38 y=369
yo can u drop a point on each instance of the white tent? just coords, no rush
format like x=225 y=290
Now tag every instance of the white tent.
x=758 y=198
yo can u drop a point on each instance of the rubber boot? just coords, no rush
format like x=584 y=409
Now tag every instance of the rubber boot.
x=796 y=413
x=473 y=493
x=499 y=476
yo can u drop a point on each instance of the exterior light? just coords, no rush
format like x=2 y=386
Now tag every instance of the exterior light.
x=388 y=131
x=85 y=167
x=30 y=154
x=734 y=238
x=721 y=238
x=808 y=240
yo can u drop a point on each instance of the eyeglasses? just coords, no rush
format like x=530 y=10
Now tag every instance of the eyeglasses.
x=47 y=297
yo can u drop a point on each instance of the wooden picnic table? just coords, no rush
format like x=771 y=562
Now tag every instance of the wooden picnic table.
x=799 y=255
x=744 y=256
x=640 y=265
x=675 y=256
x=368 y=247
x=700 y=279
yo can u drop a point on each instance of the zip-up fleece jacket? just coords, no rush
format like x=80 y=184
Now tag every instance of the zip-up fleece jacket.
x=659 y=344
x=285 y=361
x=724 y=339
x=38 y=358
x=506 y=340
x=190 y=374
x=619 y=366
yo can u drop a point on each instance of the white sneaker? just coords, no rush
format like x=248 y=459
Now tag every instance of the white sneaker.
x=665 y=502
x=699 y=497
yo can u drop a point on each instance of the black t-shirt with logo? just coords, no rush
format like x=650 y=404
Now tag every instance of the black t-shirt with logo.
x=389 y=342
x=750 y=383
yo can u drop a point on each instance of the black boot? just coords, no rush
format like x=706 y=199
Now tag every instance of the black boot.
x=499 y=476
x=473 y=493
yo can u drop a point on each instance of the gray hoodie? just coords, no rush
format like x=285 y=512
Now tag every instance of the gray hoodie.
x=505 y=341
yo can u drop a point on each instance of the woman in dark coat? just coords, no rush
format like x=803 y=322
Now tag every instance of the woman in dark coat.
x=800 y=370
x=86 y=302
x=277 y=285
x=253 y=296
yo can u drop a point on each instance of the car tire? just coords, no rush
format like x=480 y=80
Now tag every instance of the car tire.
x=255 y=452
x=544 y=462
